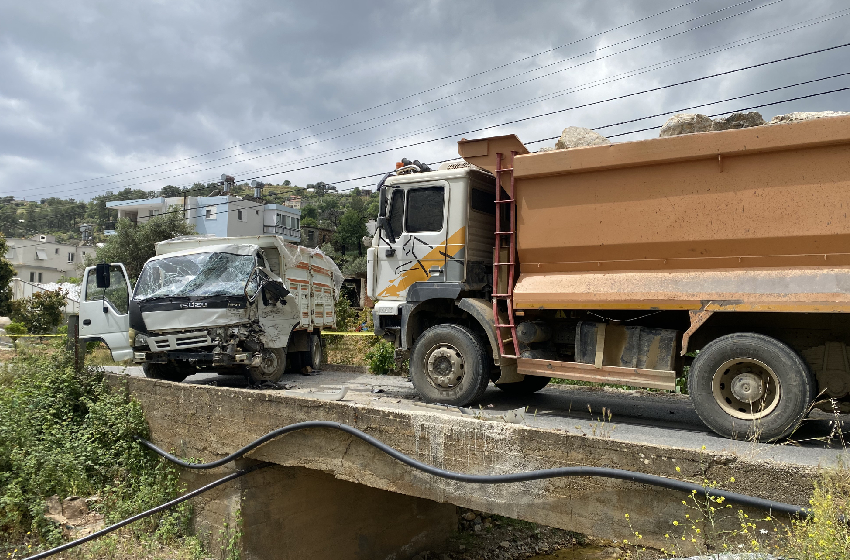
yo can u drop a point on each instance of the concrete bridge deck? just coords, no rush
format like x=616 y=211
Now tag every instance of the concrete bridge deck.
x=312 y=482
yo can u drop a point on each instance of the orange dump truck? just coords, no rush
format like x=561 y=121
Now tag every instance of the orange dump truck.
x=728 y=252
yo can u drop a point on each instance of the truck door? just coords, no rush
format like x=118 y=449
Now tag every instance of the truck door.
x=104 y=312
x=417 y=216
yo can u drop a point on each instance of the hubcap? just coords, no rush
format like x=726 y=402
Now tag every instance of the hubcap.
x=444 y=366
x=746 y=388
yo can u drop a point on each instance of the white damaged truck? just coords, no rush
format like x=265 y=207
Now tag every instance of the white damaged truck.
x=254 y=305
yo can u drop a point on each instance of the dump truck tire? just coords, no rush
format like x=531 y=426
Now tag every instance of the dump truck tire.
x=272 y=367
x=531 y=384
x=170 y=371
x=750 y=386
x=449 y=365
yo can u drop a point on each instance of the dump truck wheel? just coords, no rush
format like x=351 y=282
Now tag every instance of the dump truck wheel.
x=531 y=384
x=448 y=365
x=271 y=367
x=750 y=386
x=170 y=371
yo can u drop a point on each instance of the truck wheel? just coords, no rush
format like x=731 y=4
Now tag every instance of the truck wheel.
x=748 y=385
x=314 y=357
x=531 y=384
x=169 y=371
x=271 y=367
x=448 y=365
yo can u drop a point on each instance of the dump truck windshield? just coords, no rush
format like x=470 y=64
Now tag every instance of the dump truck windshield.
x=198 y=274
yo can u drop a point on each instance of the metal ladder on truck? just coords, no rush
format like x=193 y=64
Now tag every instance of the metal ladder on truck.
x=504 y=263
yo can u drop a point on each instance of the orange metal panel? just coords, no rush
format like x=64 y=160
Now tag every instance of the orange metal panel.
x=653 y=379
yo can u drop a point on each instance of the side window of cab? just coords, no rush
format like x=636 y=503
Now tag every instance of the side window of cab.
x=425 y=210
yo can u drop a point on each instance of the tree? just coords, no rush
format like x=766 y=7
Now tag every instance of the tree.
x=321 y=188
x=40 y=313
x=170 y=190
x=350 y=232
x=133 y=244
x=6 y=275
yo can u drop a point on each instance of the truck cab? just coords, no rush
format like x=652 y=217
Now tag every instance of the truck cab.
x=430 y=266
x=251 y=305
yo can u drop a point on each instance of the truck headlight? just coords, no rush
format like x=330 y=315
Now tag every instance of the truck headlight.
x=140 y=340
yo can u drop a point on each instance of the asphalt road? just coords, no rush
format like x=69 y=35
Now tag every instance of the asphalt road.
x=635 y=416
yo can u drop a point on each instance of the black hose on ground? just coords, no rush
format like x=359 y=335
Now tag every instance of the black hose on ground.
x=157 y=509
x=603 y=472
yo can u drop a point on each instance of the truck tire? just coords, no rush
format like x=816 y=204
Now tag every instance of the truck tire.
x=750 y=386
x=271 y=367
x=313 y=358
x=531 y=384
x=448 y=365
x=170 y=371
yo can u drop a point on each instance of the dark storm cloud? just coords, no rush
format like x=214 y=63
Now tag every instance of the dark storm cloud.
x=91 y=89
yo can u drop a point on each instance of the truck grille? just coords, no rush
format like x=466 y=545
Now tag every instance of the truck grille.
x=178 y=341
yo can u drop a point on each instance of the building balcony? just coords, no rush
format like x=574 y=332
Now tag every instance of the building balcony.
x=283 y=231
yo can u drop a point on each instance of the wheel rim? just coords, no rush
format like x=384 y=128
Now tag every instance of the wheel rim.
x=269 y=364
x=444 y=366
x=746 y=388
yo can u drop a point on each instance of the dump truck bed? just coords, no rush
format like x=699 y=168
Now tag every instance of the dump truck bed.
x=755 y=218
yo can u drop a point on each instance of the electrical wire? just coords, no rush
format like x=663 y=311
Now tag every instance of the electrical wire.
x=542 y=474
x=584 y=105
x=399 y=99
x=148 y=513
x=262 y=204
x=502 y=79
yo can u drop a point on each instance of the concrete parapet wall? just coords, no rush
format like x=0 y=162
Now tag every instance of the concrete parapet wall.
x=211 y=422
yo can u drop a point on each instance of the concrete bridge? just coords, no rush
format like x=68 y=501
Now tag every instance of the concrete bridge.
x=330 y=495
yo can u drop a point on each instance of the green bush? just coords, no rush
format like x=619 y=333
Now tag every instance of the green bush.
x=381 y=358
x=65 y=433
x=42 y=312
x=15 y=328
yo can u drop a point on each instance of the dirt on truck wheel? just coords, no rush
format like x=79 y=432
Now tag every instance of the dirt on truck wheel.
x=449 y=365
x=750 y=386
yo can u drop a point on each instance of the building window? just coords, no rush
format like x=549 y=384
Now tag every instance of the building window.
x=32 y=276
x=70 y=258
x=57 y=251
x=39 y=278
x=211 y=213
x=239 y=215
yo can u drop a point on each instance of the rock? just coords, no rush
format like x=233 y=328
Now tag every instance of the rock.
x=5 y=322
x=469 y=516
x=505 y=544
x=685 y=123
x=738 y=120
x=478 y=528
x=546 y=149
x=577 y=137
x=795 y=117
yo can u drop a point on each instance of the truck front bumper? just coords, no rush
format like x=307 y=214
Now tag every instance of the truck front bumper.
x=215 y=358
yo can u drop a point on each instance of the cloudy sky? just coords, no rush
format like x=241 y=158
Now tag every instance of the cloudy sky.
x=101 y=95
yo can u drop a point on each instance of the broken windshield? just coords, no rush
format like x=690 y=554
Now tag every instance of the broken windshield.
x=198 y=274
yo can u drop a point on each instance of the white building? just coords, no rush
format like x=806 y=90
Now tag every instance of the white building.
x=222 y=216
x=41 y=259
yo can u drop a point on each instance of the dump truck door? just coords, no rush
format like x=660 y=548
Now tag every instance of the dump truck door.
x=417 y=217
x=104 y=308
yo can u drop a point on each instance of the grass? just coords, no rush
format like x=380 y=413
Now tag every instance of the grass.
x=66 y=433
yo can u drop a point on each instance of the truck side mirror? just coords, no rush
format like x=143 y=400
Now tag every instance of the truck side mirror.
x=102 y=275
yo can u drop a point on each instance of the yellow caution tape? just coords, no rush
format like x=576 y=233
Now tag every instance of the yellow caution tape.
x=350 y=333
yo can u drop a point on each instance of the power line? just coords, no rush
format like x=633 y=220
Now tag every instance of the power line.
x=580 y=106
x=397 y=100
x=536 y=69
x=779 y=31
x=262 y=204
